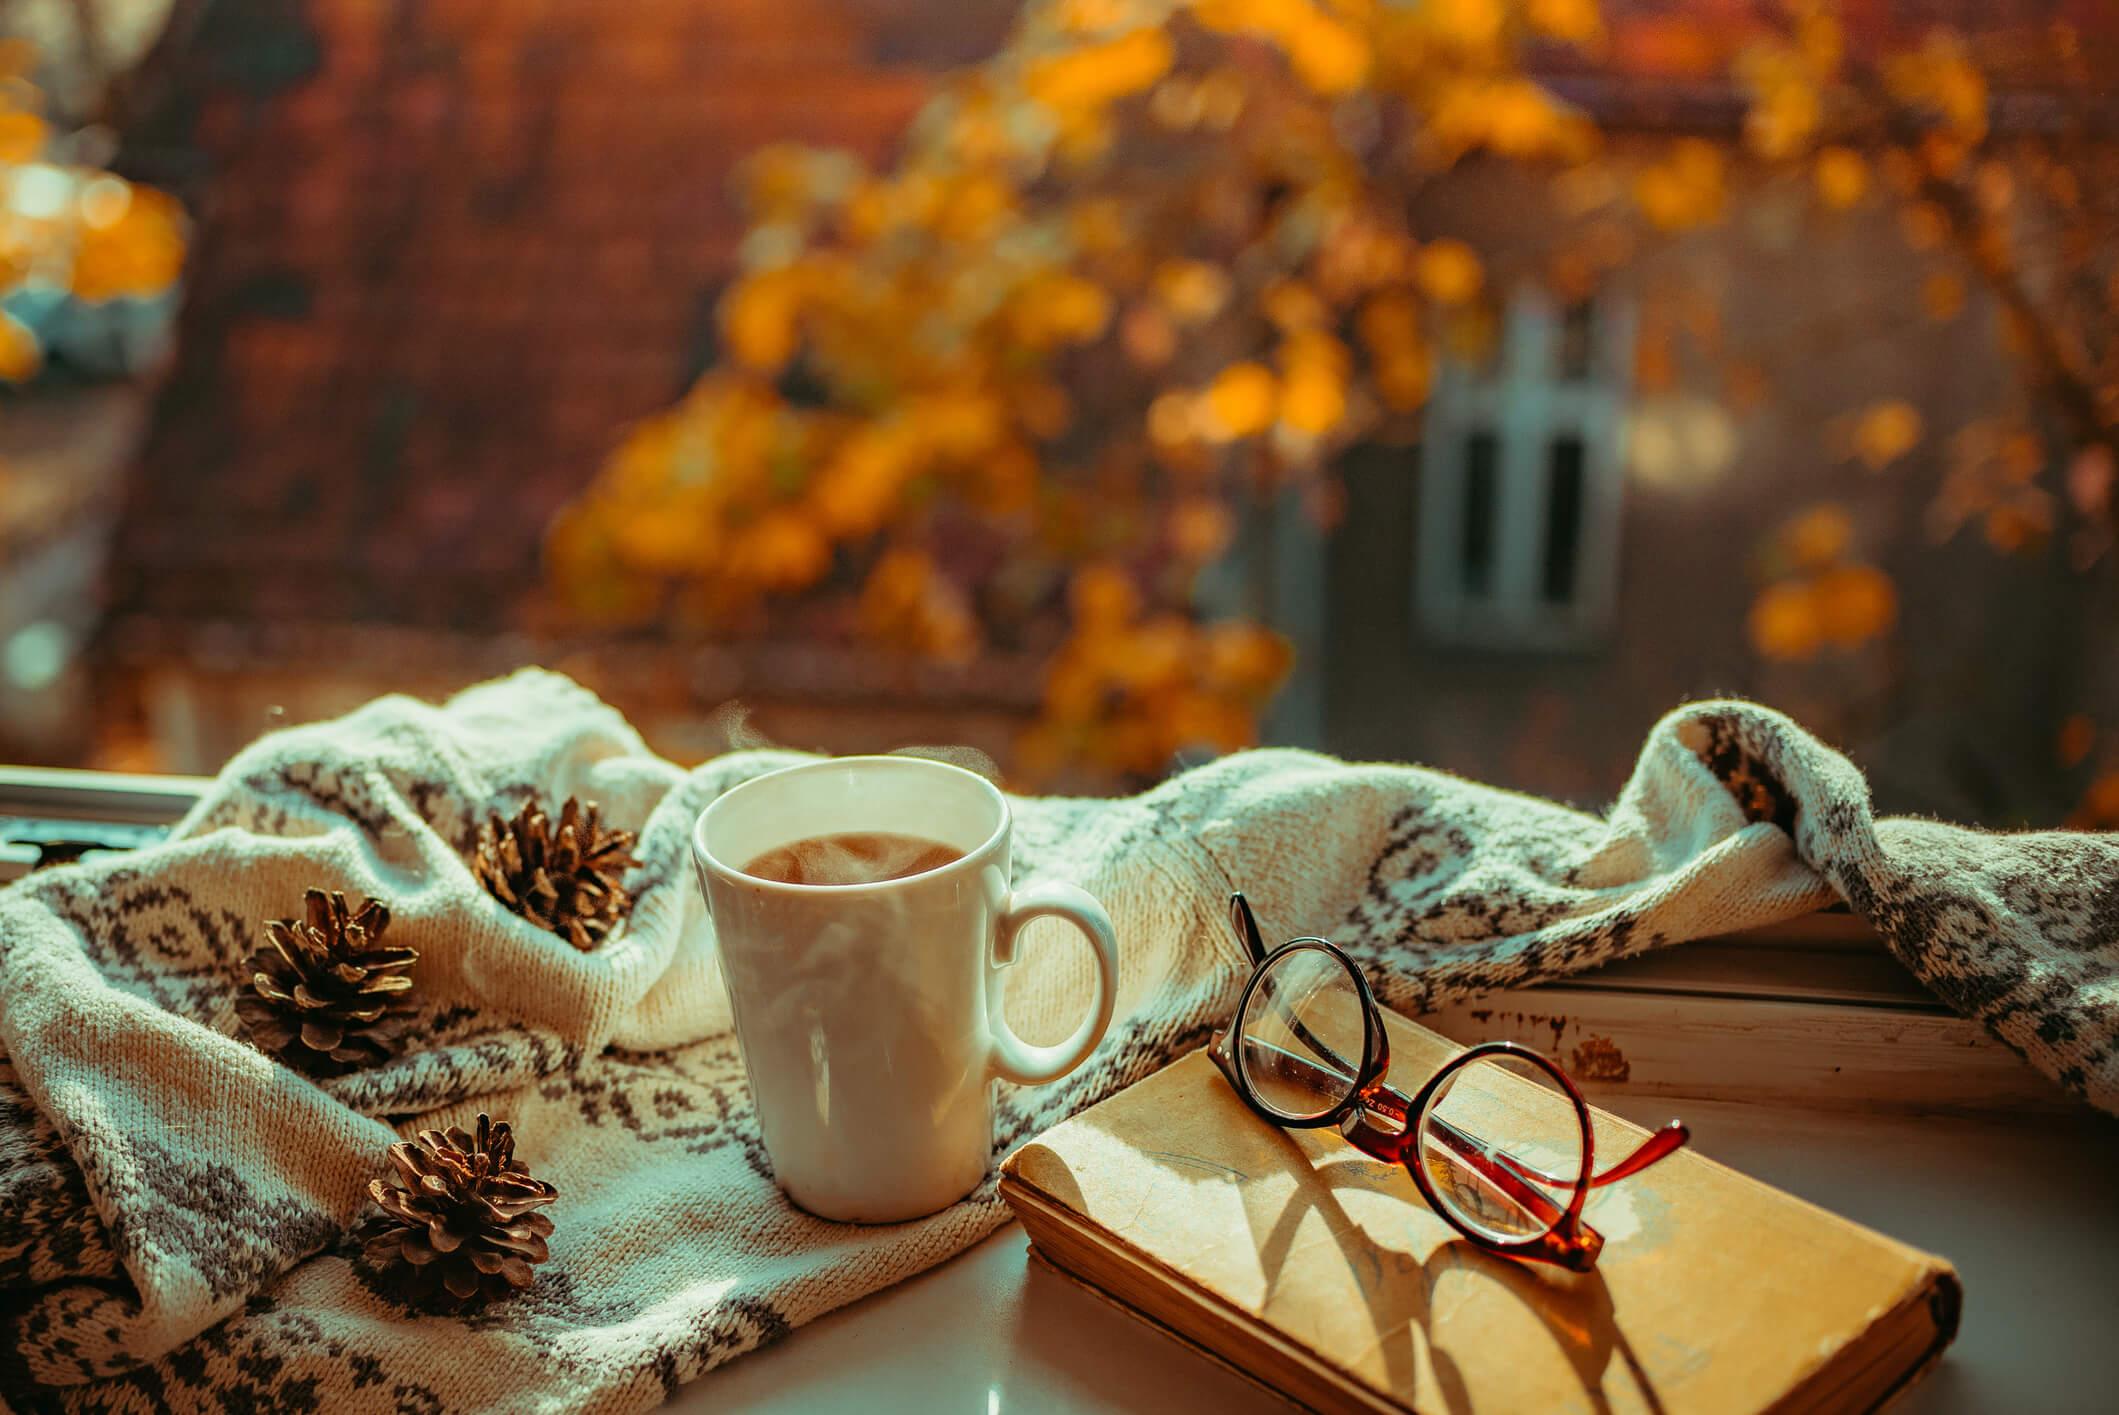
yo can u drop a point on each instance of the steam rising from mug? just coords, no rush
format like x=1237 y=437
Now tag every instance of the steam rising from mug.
x=732 y=723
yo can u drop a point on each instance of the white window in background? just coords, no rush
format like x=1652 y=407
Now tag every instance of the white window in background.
x=1520 y=482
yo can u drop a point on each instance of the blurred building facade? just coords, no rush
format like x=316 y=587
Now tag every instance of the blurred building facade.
x=448 y=251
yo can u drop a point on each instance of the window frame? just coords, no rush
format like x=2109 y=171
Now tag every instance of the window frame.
x=1529 y=404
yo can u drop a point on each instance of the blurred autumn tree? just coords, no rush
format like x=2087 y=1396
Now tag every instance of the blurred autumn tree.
x=1998 y=152
x=2023 y=212
x=69 y=228
x=1157 y=257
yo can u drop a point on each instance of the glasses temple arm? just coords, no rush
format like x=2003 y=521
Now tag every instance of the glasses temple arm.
x=1245 y=923
x=1498 y=1168
x=1659 y=1146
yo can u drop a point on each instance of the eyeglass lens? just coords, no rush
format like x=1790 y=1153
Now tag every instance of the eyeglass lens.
x=1301 y=1037
x=1501 y=1144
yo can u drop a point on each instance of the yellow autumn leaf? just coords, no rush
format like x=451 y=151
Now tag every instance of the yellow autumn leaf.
x=669 y=535
x=758 y=319
x=1449 y=271
x=2078 y=737
x=1222 y=96
x=1570 y=21
x=1152 y=653
x=1075 y=309
x=1853 y=604
x=974 y=208
x=1784 y=623
x=1089 y=15
x=1193 y=719
x=1314 y=351
x=1240 y=401
x=2018 y=522
x=1513 y=116
x=1097 y=75
x=1842 y=177
x=1097 y=225
x=2100 y=805
x=1886 y=431
x=1330 y=57
x=1687 y=189
x=1232 y=16
x=858 y=484
x=1172 y=418
x=18 y=58
x=22 y=136
x=777 y=182
x=135 y=248
x=1404 y=380
x=1819 y=536
x=782 y=550
x=1786 y=106
x=867 y=212
x=1193 y=290
x=20 y=358
x=1522 y=120
x=1292 y=304
x=1200 y=528
x=1246 y=659
x=1941 y=77
x=1819 y=35
x=1390 y=325
x=1314 y=366
x=908 y=603
x=1313 y=401
x=1473 y=25
x=1102 y=596
x=1942 y=295
x=1147 y=335
x=959 y=423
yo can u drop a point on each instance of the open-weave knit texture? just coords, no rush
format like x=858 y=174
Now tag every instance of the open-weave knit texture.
x=174 y=1204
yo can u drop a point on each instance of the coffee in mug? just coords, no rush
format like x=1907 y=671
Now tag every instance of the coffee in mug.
x=853 y=857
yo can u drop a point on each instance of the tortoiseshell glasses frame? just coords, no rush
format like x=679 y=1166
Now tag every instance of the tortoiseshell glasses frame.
x=1397 y=1128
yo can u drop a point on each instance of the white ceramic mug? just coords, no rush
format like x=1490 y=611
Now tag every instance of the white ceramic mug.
x=870 y=1014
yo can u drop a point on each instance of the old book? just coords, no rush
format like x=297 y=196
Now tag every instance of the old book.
x=1319 y=1272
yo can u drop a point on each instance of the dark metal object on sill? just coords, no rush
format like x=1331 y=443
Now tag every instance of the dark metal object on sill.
x=50 y=817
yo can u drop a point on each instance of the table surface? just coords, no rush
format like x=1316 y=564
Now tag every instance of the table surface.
x=2027 y=1212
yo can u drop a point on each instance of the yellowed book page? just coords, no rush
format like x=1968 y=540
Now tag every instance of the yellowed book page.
x=1714 y=1292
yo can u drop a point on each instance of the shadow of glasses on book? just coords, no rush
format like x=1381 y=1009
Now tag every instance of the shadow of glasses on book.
x=1375 y=1224
x=1400 y=1287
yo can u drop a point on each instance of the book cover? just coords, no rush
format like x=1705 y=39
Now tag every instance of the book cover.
x=1320 y=1272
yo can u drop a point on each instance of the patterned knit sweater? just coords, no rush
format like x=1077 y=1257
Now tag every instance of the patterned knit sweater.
x=174 y=1204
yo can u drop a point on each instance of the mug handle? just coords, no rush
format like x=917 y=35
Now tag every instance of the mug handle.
x=1015 y=1059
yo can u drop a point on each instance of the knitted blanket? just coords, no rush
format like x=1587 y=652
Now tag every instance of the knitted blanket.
x=174 y=1204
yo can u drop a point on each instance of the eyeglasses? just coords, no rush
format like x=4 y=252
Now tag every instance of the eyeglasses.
x=1498 y=1141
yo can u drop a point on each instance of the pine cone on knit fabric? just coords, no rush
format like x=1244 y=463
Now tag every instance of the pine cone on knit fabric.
x=326 y=995
x=564 y=878
x=460 y=1224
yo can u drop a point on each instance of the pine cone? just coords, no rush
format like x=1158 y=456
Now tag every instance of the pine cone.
x=565 y=880
x=460 y=1224
x=326 y=996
